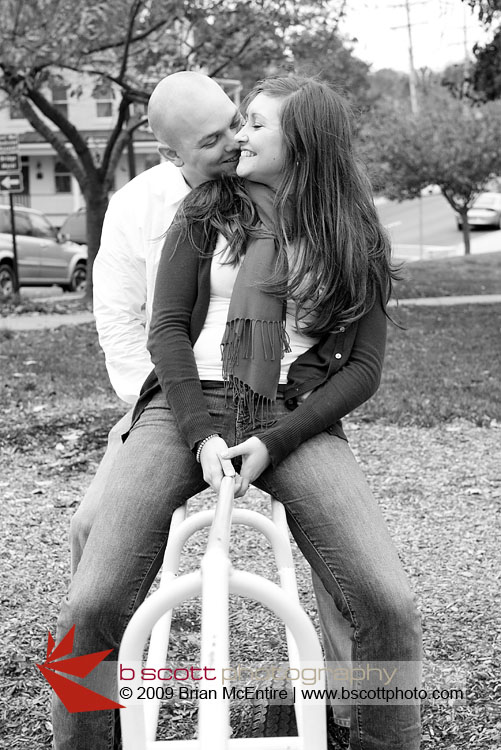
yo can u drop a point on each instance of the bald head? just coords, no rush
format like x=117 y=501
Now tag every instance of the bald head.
x=195 y=123
x=182 y=101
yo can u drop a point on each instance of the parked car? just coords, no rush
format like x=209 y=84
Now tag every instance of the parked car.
x=485 y=211
x=44 y=256
x=74 y=227
x=431 y=190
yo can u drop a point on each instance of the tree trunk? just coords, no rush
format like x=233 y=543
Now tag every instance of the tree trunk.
x=96 y=201
x=466 y=230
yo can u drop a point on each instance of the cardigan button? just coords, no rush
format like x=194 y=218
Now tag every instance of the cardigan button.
x=338 y=355
x=342 y=329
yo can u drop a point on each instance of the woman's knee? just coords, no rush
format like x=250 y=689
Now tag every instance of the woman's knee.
x=397 y=614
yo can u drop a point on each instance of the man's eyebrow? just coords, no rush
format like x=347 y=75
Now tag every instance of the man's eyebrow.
x=236 y=119
x=209 y=137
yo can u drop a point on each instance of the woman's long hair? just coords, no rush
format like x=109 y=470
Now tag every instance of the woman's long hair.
x=334 y=255
x=340 y=254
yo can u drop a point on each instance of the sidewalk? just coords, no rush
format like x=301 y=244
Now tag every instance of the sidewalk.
x=30 y=322
x=40 y=322
x=467 y=299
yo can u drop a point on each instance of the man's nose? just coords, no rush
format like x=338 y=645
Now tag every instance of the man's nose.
x=241 y=136
x=229 y=144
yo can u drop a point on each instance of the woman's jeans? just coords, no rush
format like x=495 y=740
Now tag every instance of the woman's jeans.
x=333 y=517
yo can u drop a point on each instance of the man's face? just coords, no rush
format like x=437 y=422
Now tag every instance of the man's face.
x=207 y=144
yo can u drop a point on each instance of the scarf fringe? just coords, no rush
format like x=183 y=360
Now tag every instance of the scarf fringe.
x=253 y=406
x=240 y=340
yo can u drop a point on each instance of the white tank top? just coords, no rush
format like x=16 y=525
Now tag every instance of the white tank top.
x=207 y=348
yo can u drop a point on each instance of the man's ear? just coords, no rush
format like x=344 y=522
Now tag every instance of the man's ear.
x=171 y=155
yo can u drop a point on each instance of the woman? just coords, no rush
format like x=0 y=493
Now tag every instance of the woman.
x=290 y=271
x=287 y=269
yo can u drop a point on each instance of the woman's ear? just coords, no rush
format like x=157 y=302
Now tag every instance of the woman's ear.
x=171 y=155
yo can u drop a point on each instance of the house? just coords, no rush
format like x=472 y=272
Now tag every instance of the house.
x=48 y=186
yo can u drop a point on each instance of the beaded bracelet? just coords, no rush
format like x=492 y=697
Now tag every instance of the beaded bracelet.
x=202 y=443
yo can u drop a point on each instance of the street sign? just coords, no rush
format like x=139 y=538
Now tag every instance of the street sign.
x=8 y=142
x=9 y=163
x=11 y=183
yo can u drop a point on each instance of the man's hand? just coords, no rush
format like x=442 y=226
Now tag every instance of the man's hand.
x=255 y=459
x=214 y=466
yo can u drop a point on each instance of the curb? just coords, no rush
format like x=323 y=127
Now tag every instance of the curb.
x=52 y=321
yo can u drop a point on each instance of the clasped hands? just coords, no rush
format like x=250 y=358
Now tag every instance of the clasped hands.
x=215 y=459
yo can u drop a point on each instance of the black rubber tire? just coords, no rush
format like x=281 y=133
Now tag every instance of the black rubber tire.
x=273 y=720
x=78 y=281
x=7 y=281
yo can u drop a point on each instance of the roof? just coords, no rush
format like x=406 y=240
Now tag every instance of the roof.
x=34 y=137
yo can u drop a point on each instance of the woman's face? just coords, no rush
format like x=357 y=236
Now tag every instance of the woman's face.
x=261 y=142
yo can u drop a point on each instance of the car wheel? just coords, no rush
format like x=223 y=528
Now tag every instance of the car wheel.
x=7 y=281
x=78 y=281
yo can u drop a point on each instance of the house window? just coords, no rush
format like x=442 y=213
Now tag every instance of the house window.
x=15 y=112
x=103 y=94
x=140 y=108
x=60 y=98
x=62 y=178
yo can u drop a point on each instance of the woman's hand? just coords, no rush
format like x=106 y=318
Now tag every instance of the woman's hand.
x=214 y=466
x=255 y=459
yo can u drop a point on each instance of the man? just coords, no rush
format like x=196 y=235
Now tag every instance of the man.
x=195 y=123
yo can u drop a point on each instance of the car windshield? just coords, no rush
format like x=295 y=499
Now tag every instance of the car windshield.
x=487 y=201
x=41 y=227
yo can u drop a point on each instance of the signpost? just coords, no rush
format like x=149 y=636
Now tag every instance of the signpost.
x=11 y=181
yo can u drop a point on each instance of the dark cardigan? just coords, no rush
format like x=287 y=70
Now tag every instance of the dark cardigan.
x=343 y=369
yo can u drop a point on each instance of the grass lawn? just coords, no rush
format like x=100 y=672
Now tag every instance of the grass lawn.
x=429 y=443
x=473 y=274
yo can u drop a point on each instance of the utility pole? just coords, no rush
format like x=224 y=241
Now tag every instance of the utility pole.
x=412 y=69
x=414 y=108
x=467 y=64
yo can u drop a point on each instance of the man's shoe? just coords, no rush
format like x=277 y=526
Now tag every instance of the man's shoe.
x=338 y=738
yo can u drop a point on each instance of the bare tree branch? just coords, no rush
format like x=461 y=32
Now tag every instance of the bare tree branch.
x=55 y=140
x=229 y=58
x=128 y=41
x=123 y=111
x=136 y=38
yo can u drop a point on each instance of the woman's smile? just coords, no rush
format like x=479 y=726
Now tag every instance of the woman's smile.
x=261 y=142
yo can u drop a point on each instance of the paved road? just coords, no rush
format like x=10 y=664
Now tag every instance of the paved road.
x=420 y=230
x=426 y=228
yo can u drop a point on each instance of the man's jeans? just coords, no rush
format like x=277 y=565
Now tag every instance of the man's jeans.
x=333 y=517
x=82 y=521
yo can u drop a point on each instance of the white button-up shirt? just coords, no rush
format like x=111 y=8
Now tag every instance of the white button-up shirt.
x=125 y=270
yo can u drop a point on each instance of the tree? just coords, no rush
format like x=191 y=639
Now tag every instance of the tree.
x=449 y=143
x=387 y=84
x=486 y=73
x=486 y=9
x=321 y=51
x=129 y=44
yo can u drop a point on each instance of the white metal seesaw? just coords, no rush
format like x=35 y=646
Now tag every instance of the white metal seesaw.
x=215 y=580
